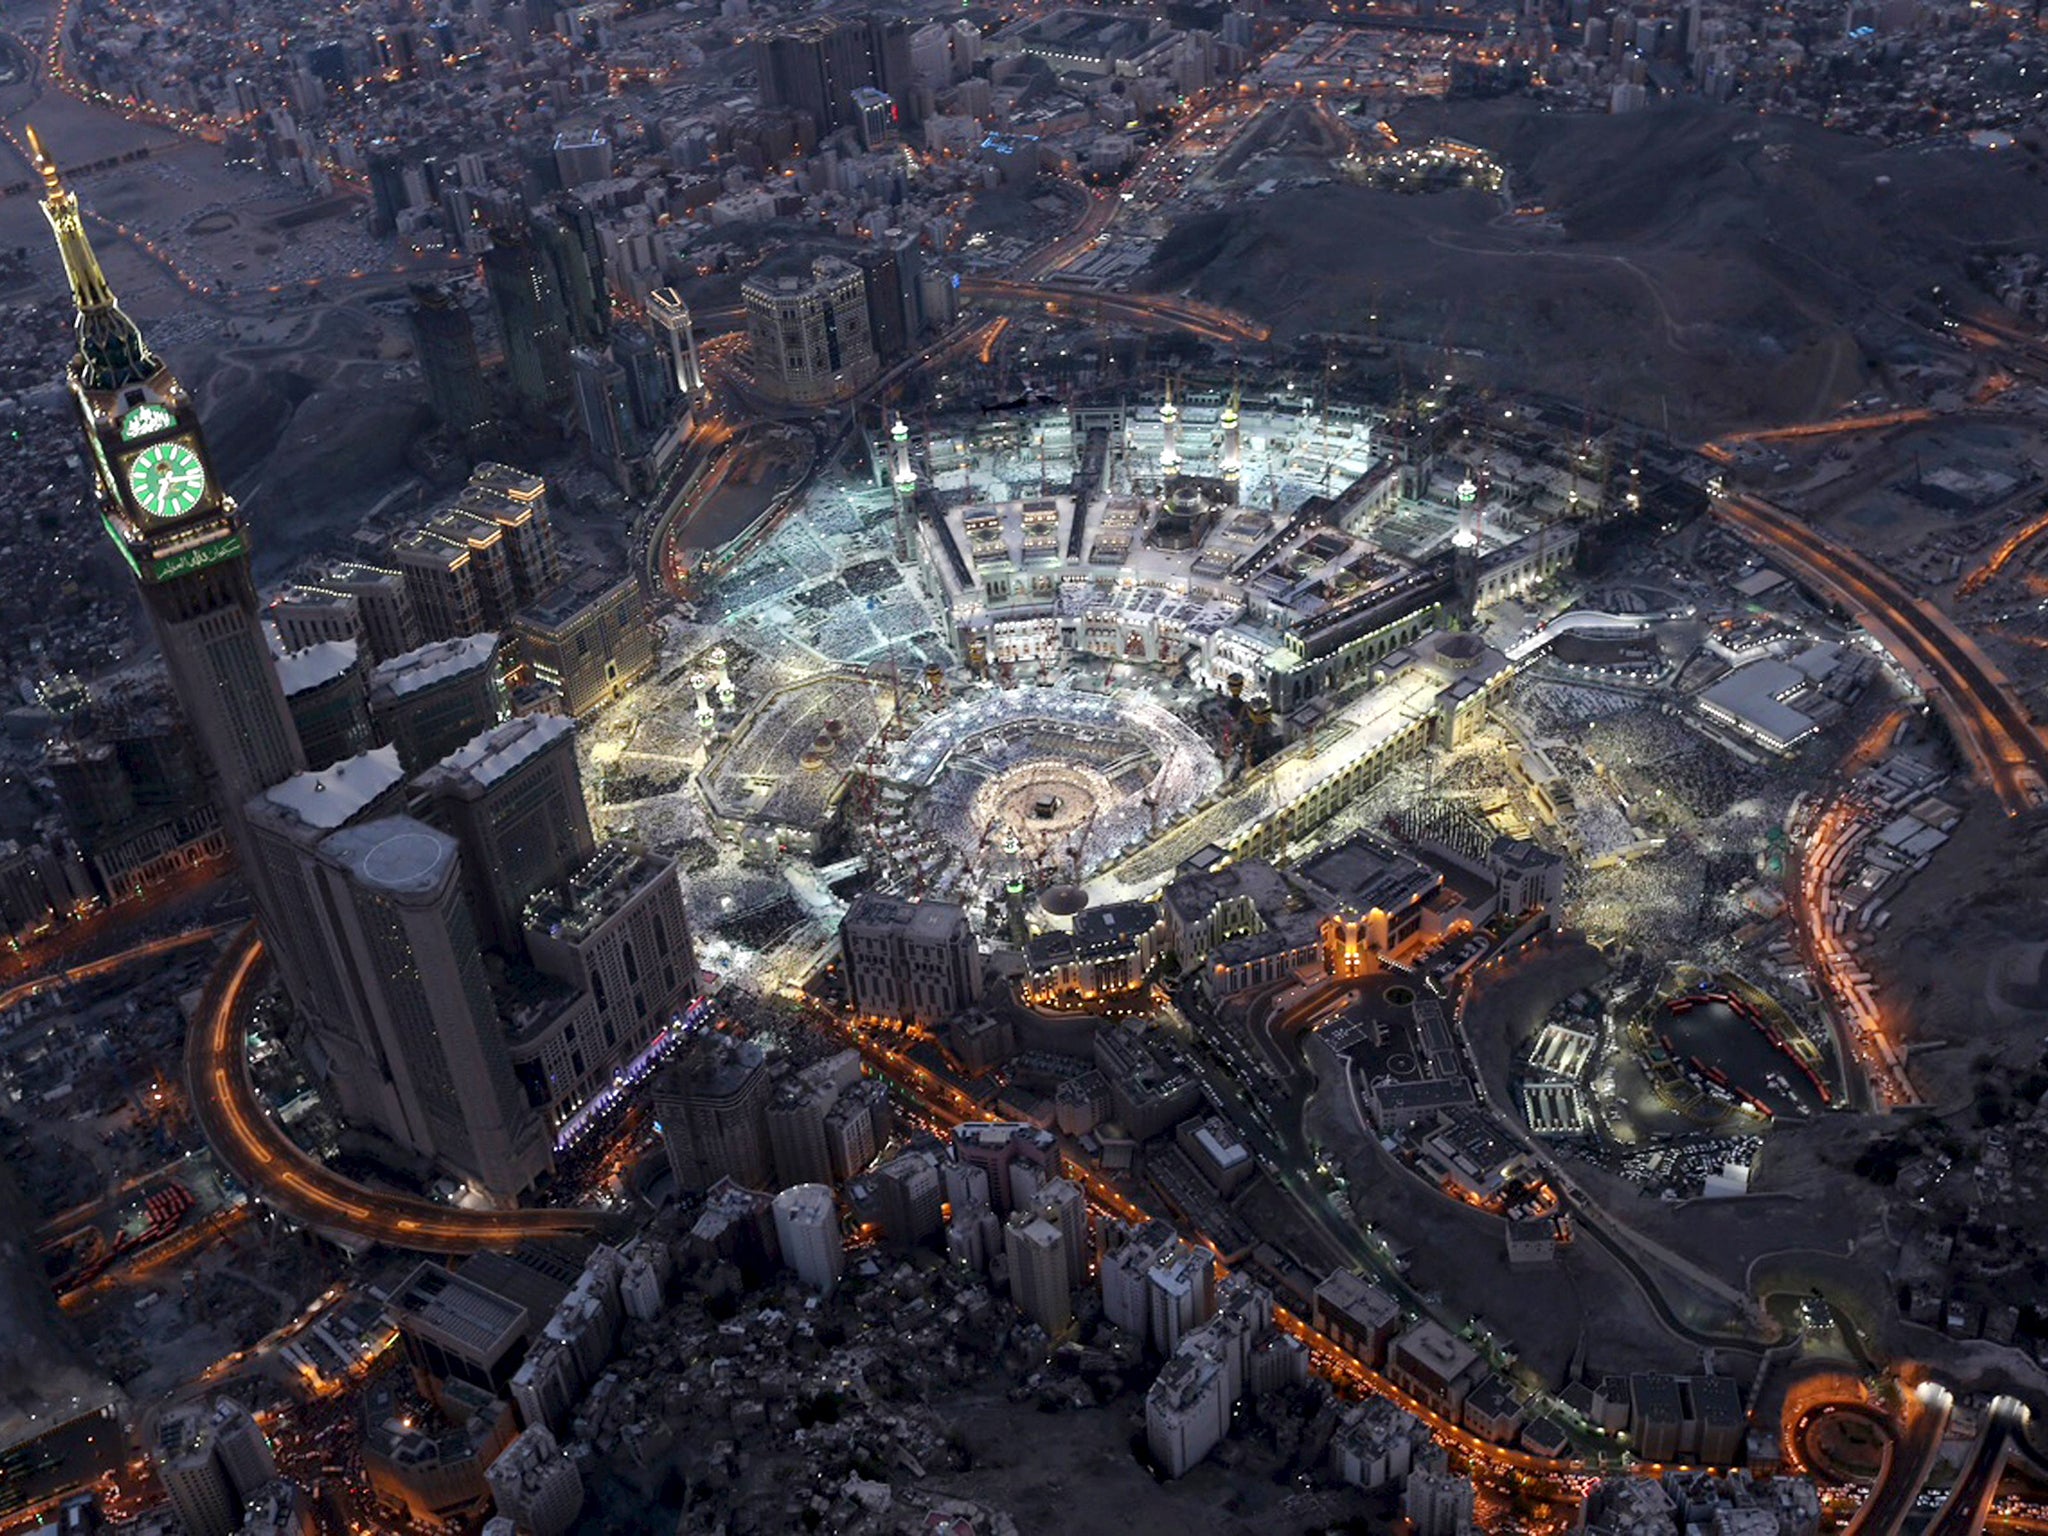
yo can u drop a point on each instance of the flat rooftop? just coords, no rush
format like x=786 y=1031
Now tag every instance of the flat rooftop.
x=931 y=922
x=433 y=663
x=457 y=1311
x=1754 y=695
x=396 y=855
x=331 y=797
x=315 y=666
x=486 y=759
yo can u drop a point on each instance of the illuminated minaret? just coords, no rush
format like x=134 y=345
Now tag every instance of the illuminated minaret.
x=1465 y=550
x=1169 y=422
x=1233 y=456
x=175 y=525
x=903 y=482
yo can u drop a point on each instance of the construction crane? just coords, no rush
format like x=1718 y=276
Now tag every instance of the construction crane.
x=1080 y=843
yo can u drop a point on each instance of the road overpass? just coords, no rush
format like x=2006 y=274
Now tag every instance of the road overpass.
x=106 y=965
x=1908 y=1461
x=1991 y=726
x=274 y=1170
x=1969 y=1501
x=1205 y=320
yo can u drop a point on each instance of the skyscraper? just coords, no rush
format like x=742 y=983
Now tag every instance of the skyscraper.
x=395 y=889
x=343 y=600
x=1061 y=1202
x=516 y=501
x=807 y=1226
x=604 y=410
x=796 y=1131
x=809 y=338
x=471 y=566
x=193 y=1476
x=388 y=195
x=533 y=317
x=814 y=66
x=328 y=690
x=616 y=934
x=883 y=287
x=666 y=308
x=431 y=701
x=176 y=526
x=211 y=1462
x=535 y=1486
x=909 y=960
x=446 y=343
x=513 y=799
x=286 y=825
x=566 y=234
x=589 y=640
x=875 y=117
x=582 y=157
x=1037 y=1251
x=650 y=383
x=908 y=1193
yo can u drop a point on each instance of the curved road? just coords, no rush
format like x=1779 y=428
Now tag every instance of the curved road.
x=107 y=964
x=1989 y=723
x=1908 y=1461
x=1969 y=1502
x=274 y=1170
x=1204 y=320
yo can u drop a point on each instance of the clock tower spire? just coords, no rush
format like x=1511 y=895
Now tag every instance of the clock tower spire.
x=158 y=495
x=175 y=525
x=111 y=351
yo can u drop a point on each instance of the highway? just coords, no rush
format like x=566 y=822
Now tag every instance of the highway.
x=1205 y=320
x=275 y=1171
x=1990 y=724
x=1969 y=1501
x=1979 y=578
x=1907 y=1462
x=1831 y=958
x=107 y=964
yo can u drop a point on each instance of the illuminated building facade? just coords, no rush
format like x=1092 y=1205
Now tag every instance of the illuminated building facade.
x=589 y=641
x=911 y=961
x=174 y=523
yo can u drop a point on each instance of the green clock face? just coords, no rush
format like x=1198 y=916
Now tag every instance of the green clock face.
x=167 y=479
x=145 y=419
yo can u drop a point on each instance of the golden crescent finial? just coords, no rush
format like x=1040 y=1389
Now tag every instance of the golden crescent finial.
x=43 y=163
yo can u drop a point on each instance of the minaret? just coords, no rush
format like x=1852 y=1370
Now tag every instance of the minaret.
x=1169 y=422
x=1233 y=456
x=1465 y=551
x=175 y=525
x=903 y=483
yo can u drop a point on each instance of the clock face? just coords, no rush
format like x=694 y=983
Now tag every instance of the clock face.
x=145 y=419
x=167 y=479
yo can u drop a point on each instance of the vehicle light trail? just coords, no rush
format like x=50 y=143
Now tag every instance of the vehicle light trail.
x=276 y=1171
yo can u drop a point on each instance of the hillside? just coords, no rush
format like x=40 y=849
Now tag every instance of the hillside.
x=1700 y=264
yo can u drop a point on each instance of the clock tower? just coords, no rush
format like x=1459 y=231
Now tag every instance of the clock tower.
x=174 y=524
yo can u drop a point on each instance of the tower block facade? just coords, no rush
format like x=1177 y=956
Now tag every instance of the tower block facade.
x=175 y=525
